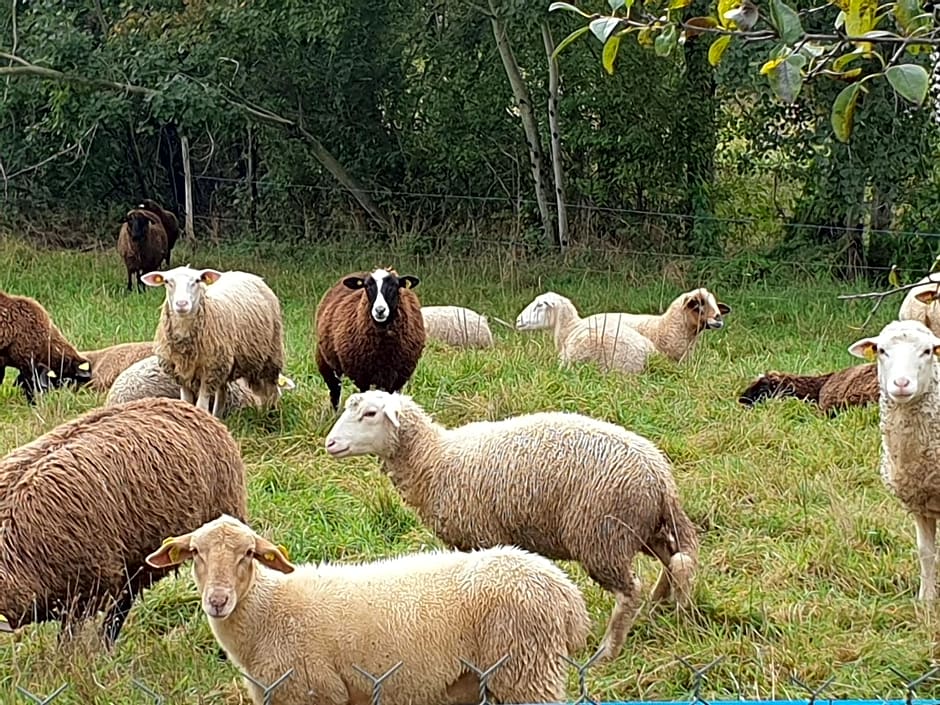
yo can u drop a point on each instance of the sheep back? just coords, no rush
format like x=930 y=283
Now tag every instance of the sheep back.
x=108 y=363
x=457 y=326
x=853 y=386
x=621 y=349
x=169 y=222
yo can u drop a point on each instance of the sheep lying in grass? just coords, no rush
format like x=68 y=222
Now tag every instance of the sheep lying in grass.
x=141 y=244
x=563 y=485
x=920 y=304
x=427 y=610
x=108 y=363
x=909 y=380
x=457 y=326
x=600 y=339
x=832 y=391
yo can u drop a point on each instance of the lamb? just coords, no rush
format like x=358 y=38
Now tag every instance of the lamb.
x=832 y=391
x=909 y=403
x=564 y=485
x=108 y=363
x=169 y=222
x=82 y=506
x=457 y=326
x=142 y=244
x=918 y=304
x=600 y=339
x=28 y=337
x=428 y=610
x=147 y=378
x=370 y=329
x=216 y=327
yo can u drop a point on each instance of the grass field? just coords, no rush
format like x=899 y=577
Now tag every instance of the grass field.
x=808 y=565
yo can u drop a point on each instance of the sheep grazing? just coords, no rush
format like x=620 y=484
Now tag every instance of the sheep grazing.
x=108 y=363
x=147 y=378
x=142 y=244
x=370 y=329
x=919 y=303
x=38 y=380
x=564 y=485
x=29 y=338
x=83 y=505
x=215 y=328
x=457 y=326
x=169 y=222
x=909 y=402
x=832 y=391
x=427 y=610
x=599 y=339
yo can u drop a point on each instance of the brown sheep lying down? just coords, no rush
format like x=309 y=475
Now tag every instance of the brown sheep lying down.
x=832 y=391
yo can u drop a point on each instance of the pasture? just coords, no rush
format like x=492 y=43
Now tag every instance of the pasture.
x=808 y=565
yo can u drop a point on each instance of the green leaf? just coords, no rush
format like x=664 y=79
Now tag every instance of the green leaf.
x=785 y=79
x=860 y=17
x=717 y=49
x=603 y=27
x=616 y=4
x=843 y=111
x=666 y=41
x=910 y=17
x=910 y=81
x=610 y=53
x=679 y=4
x=786 y=21
x=570 y=38
x=567 y=6
x=725 y=6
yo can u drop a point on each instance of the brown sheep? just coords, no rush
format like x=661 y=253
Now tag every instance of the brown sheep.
x=832 y=391
x=108 y=363
x=83 y=505
x=28 y=337
x=142 y=244
x=370 y=329
x=168 y=220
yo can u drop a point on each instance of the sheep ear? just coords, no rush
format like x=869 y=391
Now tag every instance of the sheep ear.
x=153 y=279
x=864 y=348
x=926 y=297
x=209 y=276
x=274 y=557
x=173 y=551
x=354 y=282
x=723 y=309
x=391 y=412
x=5 y=624
x=408 y=281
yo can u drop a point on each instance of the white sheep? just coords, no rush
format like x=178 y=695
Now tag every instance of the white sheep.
x=427 y=610
x=920 y=304
x=564 y=485
x=217 y=327
x=909 y=381
x=601 y=339
x=457 y=326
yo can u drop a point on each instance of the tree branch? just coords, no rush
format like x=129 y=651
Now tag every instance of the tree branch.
x=882 y=295
x=28 y=69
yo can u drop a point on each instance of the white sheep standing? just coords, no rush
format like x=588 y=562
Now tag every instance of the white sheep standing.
x=920 y=303
x=564 y=485
x=215 y=328
x=909 y=381
x=457 y=326
x=601 y=339
x=428 y=610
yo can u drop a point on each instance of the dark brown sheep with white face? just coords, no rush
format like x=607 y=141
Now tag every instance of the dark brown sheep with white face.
x=832 y=391
x=28 y=337
x=142 y=244
x=370 y=329
x=82 y=506
x=168 y=220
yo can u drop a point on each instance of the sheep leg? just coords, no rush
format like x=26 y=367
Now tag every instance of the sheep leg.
x=218 y=403
x=331 y=379
x=927 y=552
x=130 y=278
x=114 y=619
x=627 y=604
x=187 y=395
x=204 y=397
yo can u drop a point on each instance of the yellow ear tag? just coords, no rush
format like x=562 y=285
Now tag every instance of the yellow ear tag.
x=870 y=354
x=407 y=283
x=360 y=282
x=158 y=279
x=51 y=375
x=84 y=367
x=3 y=619
x=269 y=556
x=175 y=554
x=283 y=550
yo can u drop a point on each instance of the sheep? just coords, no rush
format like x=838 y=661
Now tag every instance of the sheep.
x=216 y=327
x=108 y=363
x=370 y=329
x=832 y=391
x=428 y=610
x=909 y=403
x=167 y=220
x=599 y=339
x=457 y=326
x=918 y=304
x=28 y=337
x=38 y=379
x=564 y=485
x=82 y=506
x=147 y=378
x=142 y=244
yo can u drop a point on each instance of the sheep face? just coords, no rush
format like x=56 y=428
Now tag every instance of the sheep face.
x=905 y=352
x=223 y=552
x=362 y=429
x=704 y=311
x=540 y=314
x=764 y=387
x=39 y=379
x=382 y=290
x=184 y=287
x=140 y=225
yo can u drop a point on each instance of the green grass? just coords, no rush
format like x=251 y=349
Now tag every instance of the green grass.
x=808 y=564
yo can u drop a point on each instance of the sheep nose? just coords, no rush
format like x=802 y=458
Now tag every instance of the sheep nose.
x=216 y=602
x=902 y=382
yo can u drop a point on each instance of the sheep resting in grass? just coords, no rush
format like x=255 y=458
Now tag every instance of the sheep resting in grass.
x=370 y=329
x=142 y=244
x=600 y=339
x=28 y=338
x=215 y=328
x=82 y=506
x=147 y=378
x=108 y=363
x=428 y=610
x=169 y=222
x=920 y=303
x=564 y=485
x=457 y=326
x=909 y=403
x=832 y=391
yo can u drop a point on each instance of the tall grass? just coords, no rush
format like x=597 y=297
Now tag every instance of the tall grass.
x=808 y=565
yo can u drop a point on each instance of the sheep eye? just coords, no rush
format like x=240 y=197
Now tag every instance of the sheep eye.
x=194 y=551
x=927 y=351
x=368 y=414
x=881 y=351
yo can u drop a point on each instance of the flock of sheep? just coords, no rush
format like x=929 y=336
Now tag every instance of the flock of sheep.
x=104 y=505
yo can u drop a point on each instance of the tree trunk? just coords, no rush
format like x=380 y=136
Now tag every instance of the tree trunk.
x=558 y=166
x=188 y=175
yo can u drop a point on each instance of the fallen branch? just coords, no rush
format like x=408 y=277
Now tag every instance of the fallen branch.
x=882 y=295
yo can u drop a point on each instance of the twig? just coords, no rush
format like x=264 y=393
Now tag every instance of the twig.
x=882 y=295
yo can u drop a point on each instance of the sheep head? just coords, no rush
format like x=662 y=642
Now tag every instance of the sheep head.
x=541 y=313
x=363 y=427
x=382 y=287
x=906 y=354
x=139 y=224
x=185 y=287
x=703 y=310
